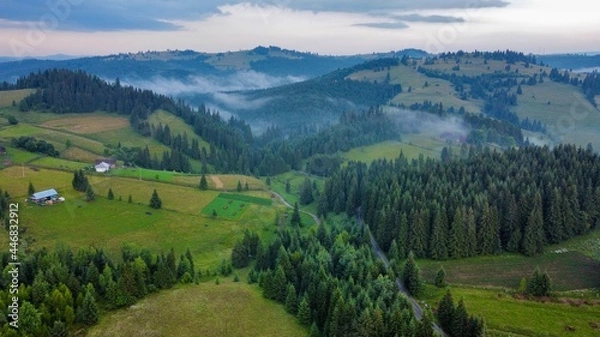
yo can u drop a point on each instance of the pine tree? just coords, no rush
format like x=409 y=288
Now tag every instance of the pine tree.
x=111 y=195
x=438 y=245
x=288 y=188
x=411 y=275
x=533 y=235
x=203 y=183
x=539 y=284
x=246 y=187
x=88 y=312
x=304 y=316
x=291 y=300
x=129 y=200
x=89 y=193
x=306 y=192
x=440 y=278
x=239 y=186
x=155 y=201
x=296 y=220
x=30 y=189
x=460 y=320
x=445 y=312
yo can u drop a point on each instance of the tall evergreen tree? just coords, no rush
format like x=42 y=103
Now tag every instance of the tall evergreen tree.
x=411 y=276
x=445 y=312
x=533 y=236
x=30 y=189
x=296 y=220
x=203 y=183
x=111 y=195
x=155 y=201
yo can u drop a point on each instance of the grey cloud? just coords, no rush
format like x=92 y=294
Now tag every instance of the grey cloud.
x=383 y=25
x=427 y=18
x=111 y=15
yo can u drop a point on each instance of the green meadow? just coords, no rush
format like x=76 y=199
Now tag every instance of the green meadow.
x=207 y=310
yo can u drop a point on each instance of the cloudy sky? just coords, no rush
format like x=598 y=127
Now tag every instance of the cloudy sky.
x=98 y=27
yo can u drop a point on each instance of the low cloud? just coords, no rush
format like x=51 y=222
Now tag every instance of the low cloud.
x=238 y=81
x=411 y=121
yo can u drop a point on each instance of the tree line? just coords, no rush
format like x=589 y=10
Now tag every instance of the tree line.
x=62 y=291
x=518 y=200
x=32 y=144
x=331 y=280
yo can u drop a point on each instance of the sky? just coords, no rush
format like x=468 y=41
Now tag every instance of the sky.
x=336 y=27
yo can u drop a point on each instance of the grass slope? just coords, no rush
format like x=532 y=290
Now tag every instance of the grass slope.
x=176 y=125
x=507 y=316
x=568 y=271
x=109 y=224
x=227 y=309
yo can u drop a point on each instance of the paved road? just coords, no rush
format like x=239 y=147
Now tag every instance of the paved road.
x=417 y=310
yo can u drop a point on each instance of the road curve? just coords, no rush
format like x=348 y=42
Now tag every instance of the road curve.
x=417 y=310
x=288 y=205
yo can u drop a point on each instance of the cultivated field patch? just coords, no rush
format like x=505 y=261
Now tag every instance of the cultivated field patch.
x=84 y=124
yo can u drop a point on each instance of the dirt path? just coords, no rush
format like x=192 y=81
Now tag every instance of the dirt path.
x=288 y=205
x=217 y=181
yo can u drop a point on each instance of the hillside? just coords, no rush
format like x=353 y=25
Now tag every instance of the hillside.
x=182 y=65
x=550 y=105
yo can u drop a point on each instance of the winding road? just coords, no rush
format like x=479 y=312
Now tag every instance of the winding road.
x=417 y=310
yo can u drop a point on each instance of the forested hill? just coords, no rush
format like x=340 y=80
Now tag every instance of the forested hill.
x=321 y=99
x=233 y=147
x=519 y=200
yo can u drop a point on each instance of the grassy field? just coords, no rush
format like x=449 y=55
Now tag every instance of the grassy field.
x=390 y=150
x=507 y=316
x=88 y=123
x=177 y=126
x=7 y=97
x=109 y=224
x=568 y=116
x=56 y=138
x=296 y=180
x=207 y=310
x=568 y=271
x=58 y=163
x=17 y=156
x=225 y=208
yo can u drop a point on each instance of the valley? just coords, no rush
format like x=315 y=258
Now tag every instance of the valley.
x=420 y=155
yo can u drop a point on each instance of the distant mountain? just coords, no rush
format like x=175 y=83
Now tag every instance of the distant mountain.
x=575 y=62
x=186 y=66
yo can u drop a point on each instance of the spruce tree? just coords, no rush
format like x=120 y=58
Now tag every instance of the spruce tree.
x=111 y=195
x=129 y=199
x=89 y=193
x=155 y=201
x=88 y=311
x=411 y=275
x=533 y=235
x=445 y=312
x=440 y=278
x=291 y=300
x=296 y=220
x=30 y=189
x=239 y=186
x=304 y=315
x=203 y=183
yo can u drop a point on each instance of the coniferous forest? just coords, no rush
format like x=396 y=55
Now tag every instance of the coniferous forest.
x=518 y=200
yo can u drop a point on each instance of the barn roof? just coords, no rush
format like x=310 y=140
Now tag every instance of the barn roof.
x=44 y=194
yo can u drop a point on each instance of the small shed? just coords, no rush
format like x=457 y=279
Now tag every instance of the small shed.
x=43 y=196
x=102 y=167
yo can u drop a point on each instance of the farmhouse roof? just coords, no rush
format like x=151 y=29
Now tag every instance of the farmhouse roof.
x=44 y=194
x=109 y=161
x=102 y=165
